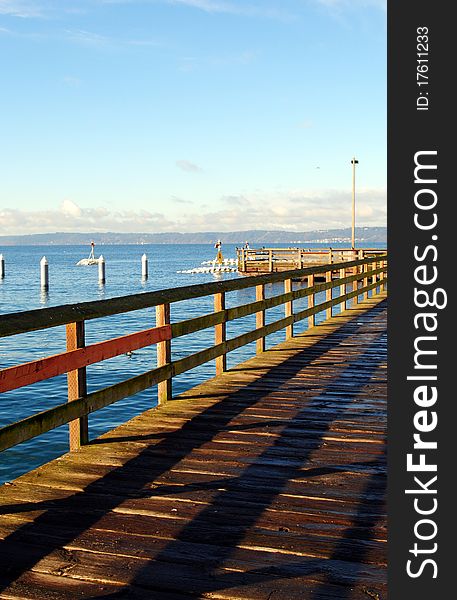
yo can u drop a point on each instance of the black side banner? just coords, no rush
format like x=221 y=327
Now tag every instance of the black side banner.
x=422 y=267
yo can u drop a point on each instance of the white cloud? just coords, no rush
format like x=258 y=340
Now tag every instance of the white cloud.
x=338 y=5
x=206 y=5
x=294 y=210
x=188 y=166
x=71 y=81
x=20 y=8
x=241 y=8
x=96 y=40
x=70 y=217
x=178 y=200
x=86 y=38
x=68 y=207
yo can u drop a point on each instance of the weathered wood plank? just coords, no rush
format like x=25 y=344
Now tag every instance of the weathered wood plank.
x=193 y=578
x=267 y=481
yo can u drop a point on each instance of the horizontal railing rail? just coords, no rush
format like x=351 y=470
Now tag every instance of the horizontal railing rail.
x=254 y=260
x=42 y=318
x=367 y=275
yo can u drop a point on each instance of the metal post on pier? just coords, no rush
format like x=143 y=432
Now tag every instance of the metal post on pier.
x=2 y=267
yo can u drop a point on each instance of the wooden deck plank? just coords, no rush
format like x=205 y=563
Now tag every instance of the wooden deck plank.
x=265 y=482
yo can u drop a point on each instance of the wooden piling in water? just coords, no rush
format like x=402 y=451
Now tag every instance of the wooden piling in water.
x=101 y=270
x=144 y=267
x=44 y=273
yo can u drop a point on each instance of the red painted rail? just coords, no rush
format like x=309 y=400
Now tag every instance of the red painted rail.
x=18 y=376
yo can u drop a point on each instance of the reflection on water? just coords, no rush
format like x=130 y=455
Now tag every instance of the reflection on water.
x=44 y=295
x=101 y=290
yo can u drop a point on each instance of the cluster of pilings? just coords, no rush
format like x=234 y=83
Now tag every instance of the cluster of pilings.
x=44 y=270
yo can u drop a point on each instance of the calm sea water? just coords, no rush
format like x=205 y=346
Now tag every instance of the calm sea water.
x=20 y=290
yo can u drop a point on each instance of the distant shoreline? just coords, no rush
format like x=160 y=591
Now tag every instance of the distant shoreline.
x=364 y=236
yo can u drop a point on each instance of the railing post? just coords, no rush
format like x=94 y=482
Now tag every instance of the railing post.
x=260 y=317
x=77 y=387
x=311 y=318
x=374 y=278
x=328 y=294
x=220 y=332
x=164 y=388
x=384 y=286
x=288 y=309
x=378 y=264
x=343 y=289
x=366 y=268
x=270 y=261
x=330 y=256
x=355 y=285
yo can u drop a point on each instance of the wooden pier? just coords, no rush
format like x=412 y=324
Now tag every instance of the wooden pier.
x=253 y=261
x=266 y=482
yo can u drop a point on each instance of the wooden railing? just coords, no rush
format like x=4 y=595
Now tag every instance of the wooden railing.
x=280 y=259
x=366 y=275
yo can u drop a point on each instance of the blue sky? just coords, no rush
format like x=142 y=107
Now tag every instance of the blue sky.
x=165 y=115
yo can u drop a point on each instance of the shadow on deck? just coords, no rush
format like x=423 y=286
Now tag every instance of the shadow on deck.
x=265 y=482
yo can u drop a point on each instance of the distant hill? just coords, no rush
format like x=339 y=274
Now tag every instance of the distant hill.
x=364 y=235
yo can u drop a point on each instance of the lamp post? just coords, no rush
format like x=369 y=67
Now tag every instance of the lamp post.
x=354 y=162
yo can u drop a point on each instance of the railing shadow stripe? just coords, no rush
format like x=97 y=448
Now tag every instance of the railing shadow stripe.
x=178 y=440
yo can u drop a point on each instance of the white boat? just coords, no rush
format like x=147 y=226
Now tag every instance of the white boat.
x=91 y=260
